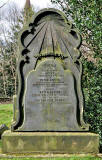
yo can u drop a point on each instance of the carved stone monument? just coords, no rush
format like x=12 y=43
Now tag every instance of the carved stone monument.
x=50 y=100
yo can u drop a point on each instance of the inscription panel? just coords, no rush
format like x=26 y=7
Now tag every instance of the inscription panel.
x=49 y=87
x=50 y=100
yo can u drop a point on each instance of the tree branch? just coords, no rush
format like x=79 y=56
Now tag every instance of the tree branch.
x=4 y=4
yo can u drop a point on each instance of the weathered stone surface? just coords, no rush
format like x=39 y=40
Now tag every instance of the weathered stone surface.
x=51 y=36
x=53 y=142
x=50 y=102
x=3 y=128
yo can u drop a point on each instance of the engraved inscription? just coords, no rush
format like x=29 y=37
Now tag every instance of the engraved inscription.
x=49 y=87
x=50 y=101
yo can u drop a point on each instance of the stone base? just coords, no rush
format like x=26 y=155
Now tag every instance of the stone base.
x=50 y=142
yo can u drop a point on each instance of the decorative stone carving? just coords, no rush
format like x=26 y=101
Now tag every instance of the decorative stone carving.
x=50 y=96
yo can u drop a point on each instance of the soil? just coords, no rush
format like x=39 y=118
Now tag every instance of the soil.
x=5 y=102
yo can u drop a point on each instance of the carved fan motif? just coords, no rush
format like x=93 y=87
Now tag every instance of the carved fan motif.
x=51 y=35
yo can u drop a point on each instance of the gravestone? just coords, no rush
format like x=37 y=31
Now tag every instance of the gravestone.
x=48 y=110
x=50 y=100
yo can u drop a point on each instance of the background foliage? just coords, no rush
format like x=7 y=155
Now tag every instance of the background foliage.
x=9 y=48
x=86 y=15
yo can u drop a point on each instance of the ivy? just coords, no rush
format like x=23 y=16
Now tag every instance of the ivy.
x=87 y=17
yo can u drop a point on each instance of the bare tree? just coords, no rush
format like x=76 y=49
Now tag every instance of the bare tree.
x=4 y=4
x=12 y=22
x=9 y=50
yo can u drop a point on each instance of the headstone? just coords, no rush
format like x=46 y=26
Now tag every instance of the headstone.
x=50 y=96
x=50 y=99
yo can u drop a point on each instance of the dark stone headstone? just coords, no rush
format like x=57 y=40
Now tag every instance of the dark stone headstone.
x=50 y=99
x=50 y=96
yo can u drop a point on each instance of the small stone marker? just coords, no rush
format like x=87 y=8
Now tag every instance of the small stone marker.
x=3 y=128
x=50 y=97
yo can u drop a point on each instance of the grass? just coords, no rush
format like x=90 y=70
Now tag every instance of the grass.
x=71 y=158
x=6 y=115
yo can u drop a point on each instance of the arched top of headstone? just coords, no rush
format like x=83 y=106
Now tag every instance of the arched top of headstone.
x=50 y=11
x=51 y=34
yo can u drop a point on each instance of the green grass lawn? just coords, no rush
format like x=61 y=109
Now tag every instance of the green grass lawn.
x=6 y=115
x=71 y=158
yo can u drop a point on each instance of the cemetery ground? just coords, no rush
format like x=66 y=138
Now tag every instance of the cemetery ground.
x=6 y=114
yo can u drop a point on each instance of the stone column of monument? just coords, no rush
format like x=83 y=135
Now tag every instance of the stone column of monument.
x=48 y=110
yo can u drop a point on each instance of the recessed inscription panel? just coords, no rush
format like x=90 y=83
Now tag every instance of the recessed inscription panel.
x=50 y=100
